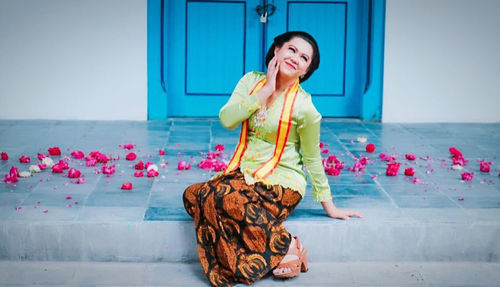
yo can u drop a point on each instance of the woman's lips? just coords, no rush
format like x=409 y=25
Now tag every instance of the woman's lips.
x=290 y=65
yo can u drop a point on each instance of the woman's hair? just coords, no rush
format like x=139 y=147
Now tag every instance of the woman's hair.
x=285 y=37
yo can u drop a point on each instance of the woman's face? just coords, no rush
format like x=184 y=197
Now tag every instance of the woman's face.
x=294 y=57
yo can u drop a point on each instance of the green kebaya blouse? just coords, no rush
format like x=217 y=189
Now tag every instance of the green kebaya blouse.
x=302 y=145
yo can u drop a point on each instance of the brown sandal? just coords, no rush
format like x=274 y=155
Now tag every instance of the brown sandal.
x=297 y=265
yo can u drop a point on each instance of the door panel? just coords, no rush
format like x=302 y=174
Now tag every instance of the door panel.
x=211 y=46
x=337 y=27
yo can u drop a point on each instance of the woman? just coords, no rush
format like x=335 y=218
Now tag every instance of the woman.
x=238 y=214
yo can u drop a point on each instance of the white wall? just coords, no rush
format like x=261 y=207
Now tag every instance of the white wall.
x=73 y=59
x=442 y=61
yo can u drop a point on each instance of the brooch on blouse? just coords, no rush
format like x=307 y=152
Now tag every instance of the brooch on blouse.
x=259 y=117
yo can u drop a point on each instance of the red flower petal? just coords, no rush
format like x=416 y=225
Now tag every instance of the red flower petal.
x=138 y=174
x=370 y=148
x=392 y=169
x=181 y=165
x=161 y=152
x=410 y=156
x=409 y=171
x=109 y=170
x=54 y=151
x=127 y=186
x=219 y=147
x=5 y=156
x=131 y=156
x=152 y=173
x=68 y=197
x=139 y=165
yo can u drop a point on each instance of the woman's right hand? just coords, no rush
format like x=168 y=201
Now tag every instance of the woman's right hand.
x=270 y=86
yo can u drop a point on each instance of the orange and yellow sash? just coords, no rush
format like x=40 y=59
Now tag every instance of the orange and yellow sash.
x=283 y=130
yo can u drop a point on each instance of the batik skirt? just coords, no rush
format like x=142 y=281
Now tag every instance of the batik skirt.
x=239 y=227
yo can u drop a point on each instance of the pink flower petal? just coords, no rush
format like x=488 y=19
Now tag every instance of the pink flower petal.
x=161 y=152
x=57 y=168
x=45 y=211
x=78 y=154
x=74 y=173
x=152 y=173
x=109 y=170
x=4 y=156
x=181 y=165
x=24 y=159
x=219 y=147
x=467 y=176
x=138 y=174
x=128 y=146
x=484 y=166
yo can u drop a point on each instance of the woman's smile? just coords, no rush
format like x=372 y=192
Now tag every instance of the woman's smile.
x=290 y=65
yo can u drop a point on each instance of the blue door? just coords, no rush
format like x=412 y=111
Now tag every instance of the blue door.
x=207 y=46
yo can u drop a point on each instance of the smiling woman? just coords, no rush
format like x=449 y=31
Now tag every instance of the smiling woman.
x=238 y=214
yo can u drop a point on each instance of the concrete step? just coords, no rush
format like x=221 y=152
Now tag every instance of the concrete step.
x=383 y=235
x=352 y=274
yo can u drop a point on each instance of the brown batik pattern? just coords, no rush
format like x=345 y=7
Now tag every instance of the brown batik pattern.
x=239 y=227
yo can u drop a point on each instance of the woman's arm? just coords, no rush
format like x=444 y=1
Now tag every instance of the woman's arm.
x=241 y=104
x=309 y=133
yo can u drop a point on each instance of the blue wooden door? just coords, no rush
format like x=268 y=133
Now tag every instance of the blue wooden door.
x=208 y=45
x=212 y=44
x=339 y=29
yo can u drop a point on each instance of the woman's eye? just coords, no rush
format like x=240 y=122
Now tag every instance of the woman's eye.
x=304 y=58
x=291 y=49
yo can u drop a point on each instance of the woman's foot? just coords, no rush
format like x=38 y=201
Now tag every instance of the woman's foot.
x=294 y=261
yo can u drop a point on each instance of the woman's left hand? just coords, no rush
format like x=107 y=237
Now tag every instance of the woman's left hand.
x=344 y=214
x=339 y=213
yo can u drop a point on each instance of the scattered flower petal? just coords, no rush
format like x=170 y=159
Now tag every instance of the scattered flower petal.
x=152 y=167
x=47 y=161
x=181 y=165
x=128 y=146
x=45 y=211
x=78 y=154
x=127 y=186
x=74 y=173
x=63 y=164
x=35 y=168
x=321 y=144
x=410 y=156
x=24 y=159
x=5 y=156
x=69 y=197
x=409 y=171
x=25 y=174
x=152 y=173
x=139 y=165
x=57 y=168
x=109 y=170
x=361 y=139
x=392 y=168
x=138 y=174
x=54 y=151
x=484 y=166
x=80 y=180
x=461 y=199
x=219 y=147
x=161 y=152
x=467 y=176
x=456 y=167
x=131 y=156
x=325 y=150
x=370 y=148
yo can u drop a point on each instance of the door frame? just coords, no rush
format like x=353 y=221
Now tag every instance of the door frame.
x=157 y=31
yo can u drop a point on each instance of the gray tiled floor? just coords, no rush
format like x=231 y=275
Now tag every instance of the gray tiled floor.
x=188 y=139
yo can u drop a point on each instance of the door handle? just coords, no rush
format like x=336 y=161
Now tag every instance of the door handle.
x=265 y=11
